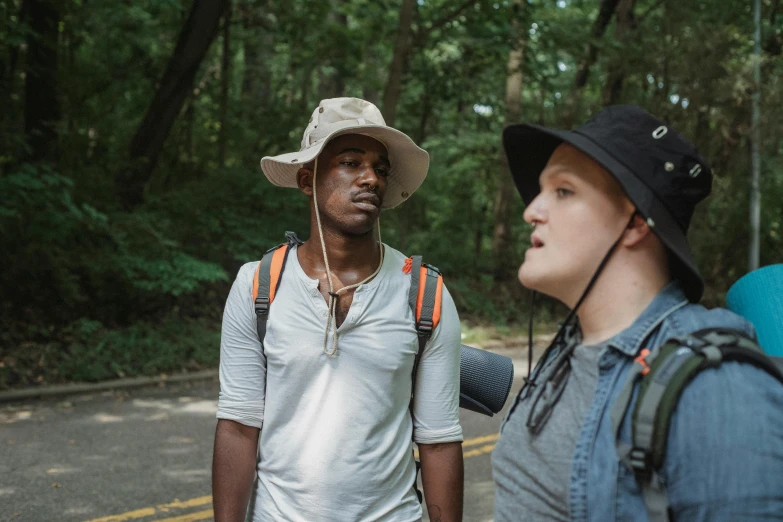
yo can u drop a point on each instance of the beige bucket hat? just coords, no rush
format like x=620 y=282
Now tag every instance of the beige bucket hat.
x=337 y=116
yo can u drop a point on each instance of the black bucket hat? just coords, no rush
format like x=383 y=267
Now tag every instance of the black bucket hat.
x=660 y=171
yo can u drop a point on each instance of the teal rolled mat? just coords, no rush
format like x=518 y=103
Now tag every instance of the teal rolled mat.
x=758 y=297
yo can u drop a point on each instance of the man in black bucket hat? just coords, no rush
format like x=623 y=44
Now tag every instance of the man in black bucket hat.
x=610 y=203
x=660 y=172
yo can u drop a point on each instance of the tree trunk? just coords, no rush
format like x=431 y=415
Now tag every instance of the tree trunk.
x=505 y=193
x=199 y=31
x=597 y=31
x=225 y=73
x=625 y=24
x=256 y=81
x=402 y=48
x=42 y=104
x=333 y=85
x=10 y=118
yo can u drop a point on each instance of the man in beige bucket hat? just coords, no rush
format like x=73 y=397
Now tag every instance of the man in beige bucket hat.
x=326 y=399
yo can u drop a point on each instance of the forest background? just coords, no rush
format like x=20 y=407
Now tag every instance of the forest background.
x=130 y=135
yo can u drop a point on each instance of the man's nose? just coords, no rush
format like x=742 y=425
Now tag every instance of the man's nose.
x=535 y=211
x=368 y=177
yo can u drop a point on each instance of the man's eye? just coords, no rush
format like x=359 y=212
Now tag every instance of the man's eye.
x=349 y=163
x=382 y=172
x=563 y=192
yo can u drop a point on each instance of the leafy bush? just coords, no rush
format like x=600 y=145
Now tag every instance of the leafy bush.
x=88 y=351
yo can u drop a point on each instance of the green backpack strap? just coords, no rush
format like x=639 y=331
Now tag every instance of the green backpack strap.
x=664 y=374
x=267 y=280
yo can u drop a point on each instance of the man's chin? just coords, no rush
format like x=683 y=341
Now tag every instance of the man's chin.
x=360 y=227
x=532 y=279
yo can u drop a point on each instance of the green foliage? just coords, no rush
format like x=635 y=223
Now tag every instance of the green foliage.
x=96 y=291
x=88 y=351
x=66 y=259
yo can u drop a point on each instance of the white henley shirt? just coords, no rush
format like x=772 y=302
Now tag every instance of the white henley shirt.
x=335 y=443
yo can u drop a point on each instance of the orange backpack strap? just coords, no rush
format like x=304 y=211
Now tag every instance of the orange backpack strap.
x=267 y=280
x=424 y=297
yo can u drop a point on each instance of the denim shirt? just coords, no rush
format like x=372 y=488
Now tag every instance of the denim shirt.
x=724 y=458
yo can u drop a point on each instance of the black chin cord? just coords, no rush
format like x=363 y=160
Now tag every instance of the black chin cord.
x=530 y=334
x=569 y=318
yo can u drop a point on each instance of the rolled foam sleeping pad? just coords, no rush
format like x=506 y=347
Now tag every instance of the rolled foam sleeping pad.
x=485 y=380
x=758 y=297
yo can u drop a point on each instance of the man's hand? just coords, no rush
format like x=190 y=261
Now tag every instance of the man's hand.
x=442 y=480
x=233 y=468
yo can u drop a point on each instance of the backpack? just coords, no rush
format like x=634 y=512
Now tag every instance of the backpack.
x=662 y=375
x=424 y=298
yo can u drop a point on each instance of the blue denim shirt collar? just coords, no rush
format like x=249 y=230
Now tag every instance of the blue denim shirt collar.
x=668 y=300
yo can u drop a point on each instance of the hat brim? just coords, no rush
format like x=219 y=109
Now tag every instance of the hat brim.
x=528 y=149
x=409 y=163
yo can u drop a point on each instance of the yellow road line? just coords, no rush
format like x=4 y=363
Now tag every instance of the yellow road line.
x=201 y=501
x=479 y=451
x=481 y=440
x=470 y=442
x=201 y=515
x=162 y=508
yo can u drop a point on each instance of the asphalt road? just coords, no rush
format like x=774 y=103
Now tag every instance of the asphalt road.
x=145 y=455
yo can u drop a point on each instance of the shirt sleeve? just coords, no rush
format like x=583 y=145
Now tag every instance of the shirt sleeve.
x=725 y=448
x=436 y=401
x=242 y=365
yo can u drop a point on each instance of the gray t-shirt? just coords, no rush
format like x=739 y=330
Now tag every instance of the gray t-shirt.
x=532 y=471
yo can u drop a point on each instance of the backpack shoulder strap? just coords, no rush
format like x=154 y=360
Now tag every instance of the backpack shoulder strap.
x=267 y=280
x=664 y=374
x=424 y=298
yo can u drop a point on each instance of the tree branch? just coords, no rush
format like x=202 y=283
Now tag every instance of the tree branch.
x=774 y=44
x=649 y=10
x=422 y=34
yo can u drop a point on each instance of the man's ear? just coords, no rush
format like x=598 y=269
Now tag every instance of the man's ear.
x=304 y=180
x=638 y=231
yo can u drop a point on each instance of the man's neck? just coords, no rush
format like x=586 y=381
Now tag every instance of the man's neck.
x=347 y=254
x=613 y=306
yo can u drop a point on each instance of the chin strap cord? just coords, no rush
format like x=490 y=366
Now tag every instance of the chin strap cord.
x=331 y=320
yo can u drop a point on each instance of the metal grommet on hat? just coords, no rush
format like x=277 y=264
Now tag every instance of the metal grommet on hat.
x=669 y=166
x=660 y=132
x=320 y=109
x=404 y=195
x=650 y=223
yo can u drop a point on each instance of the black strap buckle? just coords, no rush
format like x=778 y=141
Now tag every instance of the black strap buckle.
x=292 y=239
x=424 y=327
x=639 y=461
x=693 y=342
x=262 y=305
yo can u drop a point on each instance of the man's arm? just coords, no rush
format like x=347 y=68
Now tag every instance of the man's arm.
x=724 y=458
x=241 y=402
x=442 y=479
x=233 y=467
x=436 y=427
